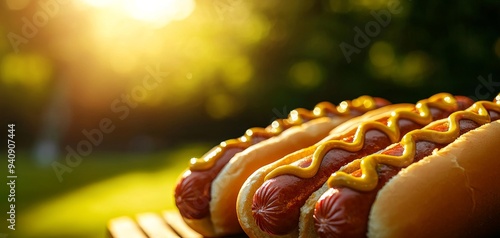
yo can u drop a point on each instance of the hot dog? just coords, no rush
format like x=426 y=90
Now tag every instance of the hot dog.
x=270 y=201
x=209 y=187
x=439 y=181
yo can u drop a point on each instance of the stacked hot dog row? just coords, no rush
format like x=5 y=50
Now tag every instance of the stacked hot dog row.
x=362 y=168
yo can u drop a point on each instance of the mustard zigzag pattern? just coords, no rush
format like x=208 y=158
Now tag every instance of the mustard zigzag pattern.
x=422 y=116
x=295 y=117
x=478 y=113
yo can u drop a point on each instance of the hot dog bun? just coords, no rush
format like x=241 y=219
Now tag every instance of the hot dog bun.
x=253 y=182
x=271 y=203
x=208 y=201
x=453 y=193
x=223 y=219
x=439 y=181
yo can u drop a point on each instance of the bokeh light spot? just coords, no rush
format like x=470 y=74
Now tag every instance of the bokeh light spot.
x=185 y=89
x=238 y=72
x=32 y=70
x=413 y=68
x=220 y=106
x=381 y=54
x=257 y=28
x=306 y=74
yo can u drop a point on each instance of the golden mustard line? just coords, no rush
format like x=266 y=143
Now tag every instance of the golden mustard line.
x=478 y=113
x=423 y=116
x=296 y=117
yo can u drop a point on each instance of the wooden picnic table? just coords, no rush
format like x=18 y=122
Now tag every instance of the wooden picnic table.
x=152 y=225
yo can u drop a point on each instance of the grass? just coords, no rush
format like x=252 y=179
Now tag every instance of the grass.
x=103 y=186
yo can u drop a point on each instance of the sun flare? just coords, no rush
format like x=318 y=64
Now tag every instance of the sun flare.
x=155 y=12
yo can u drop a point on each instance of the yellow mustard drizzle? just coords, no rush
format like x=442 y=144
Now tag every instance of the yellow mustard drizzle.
x=478 y=113
x=296 y=117
x=391 y=129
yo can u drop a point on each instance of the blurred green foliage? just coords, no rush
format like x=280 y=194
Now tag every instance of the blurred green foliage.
x=231 y=62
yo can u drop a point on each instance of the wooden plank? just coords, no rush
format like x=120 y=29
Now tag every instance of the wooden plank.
x=155 y=226
x=125 y=227
x=175 y=220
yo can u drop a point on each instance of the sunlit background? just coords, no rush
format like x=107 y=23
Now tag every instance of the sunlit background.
x=163 y=81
